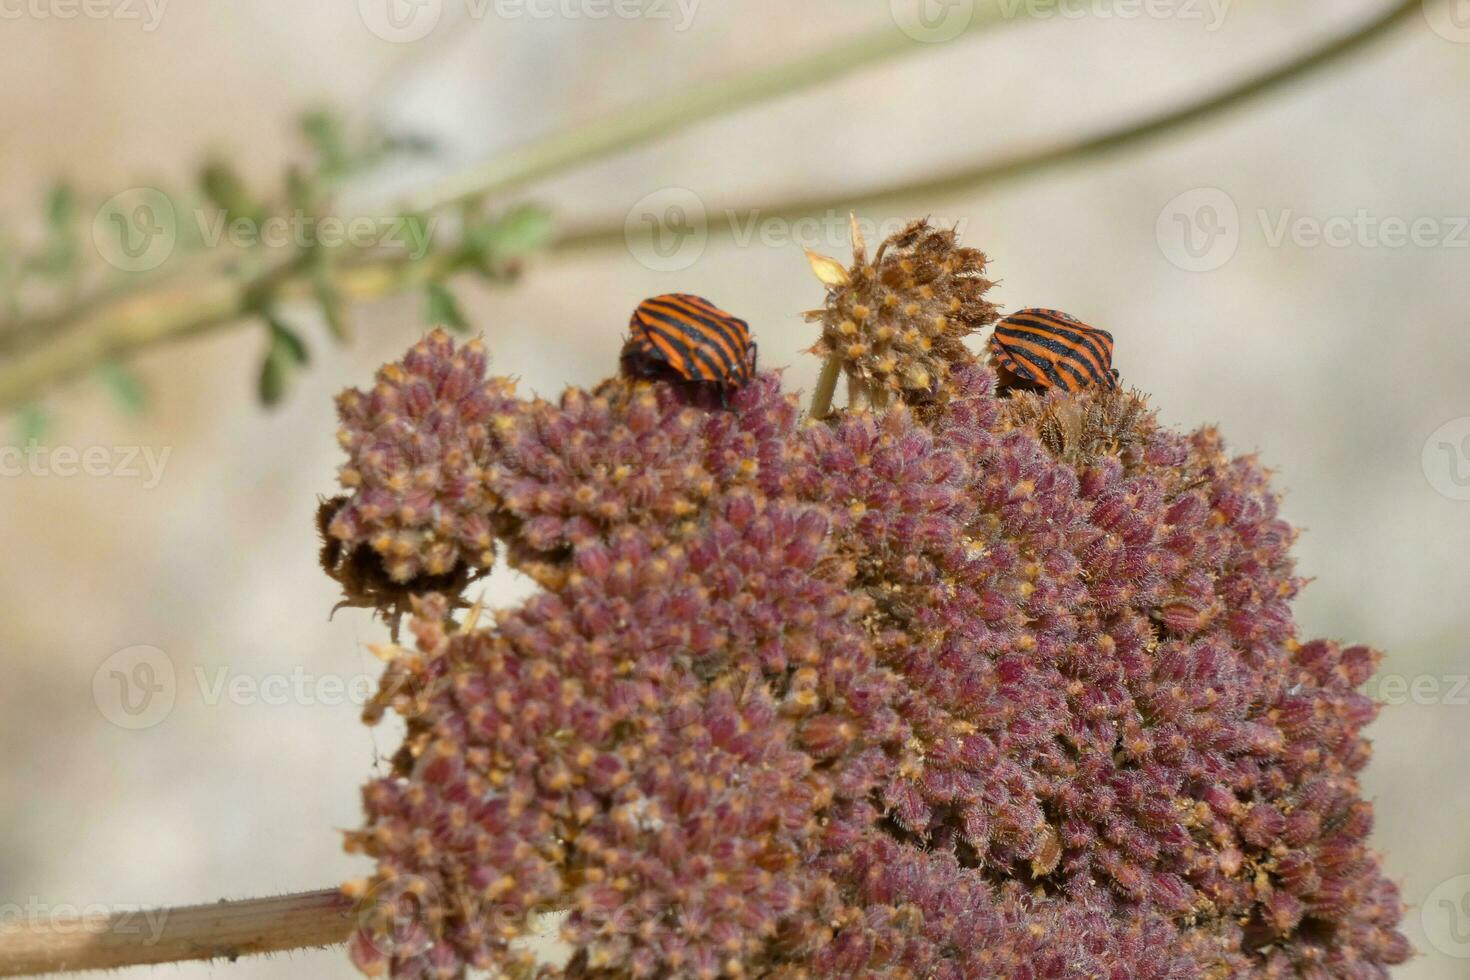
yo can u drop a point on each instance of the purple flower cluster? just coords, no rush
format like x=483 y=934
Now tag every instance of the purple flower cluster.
x=653 y=742
x=418 y=445
x=985 y=687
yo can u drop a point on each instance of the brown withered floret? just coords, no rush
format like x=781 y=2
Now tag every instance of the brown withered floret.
x=366 y=584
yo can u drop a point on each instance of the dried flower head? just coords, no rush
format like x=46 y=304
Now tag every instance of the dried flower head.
x=974 y=687
x=898 y=322
x=417 y=447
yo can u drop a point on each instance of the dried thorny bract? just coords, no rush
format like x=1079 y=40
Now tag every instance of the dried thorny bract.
x=971 y=687
x=1081 y=431
x=898 y=321
x=365 y=582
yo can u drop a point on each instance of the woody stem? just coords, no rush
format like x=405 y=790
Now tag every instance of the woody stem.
x=49 y=942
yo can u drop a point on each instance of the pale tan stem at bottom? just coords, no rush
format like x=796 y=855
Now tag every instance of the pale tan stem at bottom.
x=45 y=943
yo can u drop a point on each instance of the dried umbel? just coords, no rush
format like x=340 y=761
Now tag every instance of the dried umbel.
x=898 y=322
x=986 y=687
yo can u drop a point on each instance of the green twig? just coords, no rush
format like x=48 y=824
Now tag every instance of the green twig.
x=695 y=104
x=1031 y=163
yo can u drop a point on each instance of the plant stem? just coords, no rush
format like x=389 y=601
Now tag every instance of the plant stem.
x=122 y=327
x=223 y=930
x=1031 y=163
x=826 y=385
x=701 y=103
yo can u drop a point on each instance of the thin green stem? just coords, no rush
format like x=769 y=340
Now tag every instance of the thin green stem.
x=696 y=104
x=1032 y=163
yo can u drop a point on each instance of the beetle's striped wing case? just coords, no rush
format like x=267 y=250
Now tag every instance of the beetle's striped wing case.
x=1052 y=349
x=692 y=337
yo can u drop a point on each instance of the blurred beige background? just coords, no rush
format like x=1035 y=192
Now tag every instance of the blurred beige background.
x=1345 y=364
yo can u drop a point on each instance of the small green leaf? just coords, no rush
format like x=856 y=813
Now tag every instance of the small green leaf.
x=275 y=376
x=58 y=258
x=444 y=308
x=287 y=341
x=125 y=387
x=227 y=191
x=334 y=307
x=10 y=269
x=416 y=233
x=522 y=229
x=61 y=209
x=301 y=190
x=327 y=134
x=32 y=423
x=286 y=353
